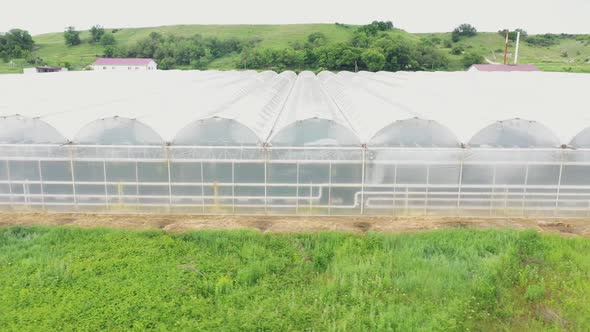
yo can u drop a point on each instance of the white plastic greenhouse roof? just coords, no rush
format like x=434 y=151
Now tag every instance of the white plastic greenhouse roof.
x=161 y=104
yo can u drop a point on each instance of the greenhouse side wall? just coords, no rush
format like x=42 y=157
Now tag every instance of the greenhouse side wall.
x=295 y=180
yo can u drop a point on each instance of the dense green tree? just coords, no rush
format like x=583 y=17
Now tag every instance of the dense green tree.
x=108 y=39
x=463 y=30
x=373 y=59
x=96 y=33
x=317 y=39
x=472 y=58
x=429 y=58
x=513 y=34
x=72 y=36
x=457 y=50
x=16 y=43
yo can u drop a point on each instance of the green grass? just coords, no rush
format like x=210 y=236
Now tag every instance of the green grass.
x=453 y=280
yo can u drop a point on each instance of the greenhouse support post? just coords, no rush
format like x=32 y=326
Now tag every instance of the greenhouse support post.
x=42 y=191
x=524 y=194
x=202 y=189
x=169 y=167
x=9 y=182
x=363 y=170
x=559 y=182
x=106 y=188
x=73 y=173
x=330 y=189
x=461 y=161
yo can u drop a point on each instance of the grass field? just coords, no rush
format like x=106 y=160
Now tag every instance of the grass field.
x=64 y=278
x=51 y=48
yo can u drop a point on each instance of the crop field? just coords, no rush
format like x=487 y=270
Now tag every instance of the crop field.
x=88 y=279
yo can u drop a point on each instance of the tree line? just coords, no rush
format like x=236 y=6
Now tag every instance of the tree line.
x=371 y=47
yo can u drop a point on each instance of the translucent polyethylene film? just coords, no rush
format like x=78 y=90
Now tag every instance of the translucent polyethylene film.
x=364 y=102
x=22 y=130
x=515 y=133
x=315 y=132
x=415 y=133
x=582 y=140
x=216 y=132
x=117 y=131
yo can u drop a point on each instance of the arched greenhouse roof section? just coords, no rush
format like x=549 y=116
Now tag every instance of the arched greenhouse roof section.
x=415 y=132
x=216 y=131
x=315 y=132
x=16 y=129
x=117 y=131
x=515 y=133
x=581 y=140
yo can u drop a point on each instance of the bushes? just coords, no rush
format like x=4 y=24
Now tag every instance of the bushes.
x=546 y=40
x=463 y=30
x=472 y=58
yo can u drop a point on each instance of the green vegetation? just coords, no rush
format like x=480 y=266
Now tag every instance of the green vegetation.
x=453 y=280
x=72 y=36
x=306 y=46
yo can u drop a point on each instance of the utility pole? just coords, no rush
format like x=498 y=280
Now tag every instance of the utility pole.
x=517 y=45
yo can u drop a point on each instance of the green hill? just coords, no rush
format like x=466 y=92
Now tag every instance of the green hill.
x=568 y=54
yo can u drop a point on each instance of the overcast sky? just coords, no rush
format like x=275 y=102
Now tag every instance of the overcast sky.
x=536 y=16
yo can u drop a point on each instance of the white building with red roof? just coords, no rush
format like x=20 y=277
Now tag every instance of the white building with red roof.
x=125 y=64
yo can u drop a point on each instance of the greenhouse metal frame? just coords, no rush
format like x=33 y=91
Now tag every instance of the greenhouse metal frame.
x=242 y=180
x=285 y=144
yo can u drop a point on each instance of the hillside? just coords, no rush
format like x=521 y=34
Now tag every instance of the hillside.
x=50 y=47
x=67 y=278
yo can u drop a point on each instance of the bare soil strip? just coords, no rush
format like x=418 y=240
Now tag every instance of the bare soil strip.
x=280 y=224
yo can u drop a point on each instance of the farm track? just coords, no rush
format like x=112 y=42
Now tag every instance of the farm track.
x=281 y=224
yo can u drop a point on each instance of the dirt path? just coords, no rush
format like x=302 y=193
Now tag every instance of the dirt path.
x=276 y=224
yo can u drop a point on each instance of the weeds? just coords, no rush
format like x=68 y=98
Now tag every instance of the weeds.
x=453 y=280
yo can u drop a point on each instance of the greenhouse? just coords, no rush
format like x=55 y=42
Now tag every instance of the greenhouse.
x=243 y=142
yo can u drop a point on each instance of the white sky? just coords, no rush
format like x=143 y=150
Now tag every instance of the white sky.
x=535 y=16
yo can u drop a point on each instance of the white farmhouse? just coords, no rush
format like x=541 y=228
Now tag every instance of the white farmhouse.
x=126 y=64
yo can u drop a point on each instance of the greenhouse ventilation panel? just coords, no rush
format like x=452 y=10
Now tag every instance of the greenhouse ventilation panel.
x=243 y=142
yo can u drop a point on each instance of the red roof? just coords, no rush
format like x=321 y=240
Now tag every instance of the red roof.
x=122 y=62
x=506 y=67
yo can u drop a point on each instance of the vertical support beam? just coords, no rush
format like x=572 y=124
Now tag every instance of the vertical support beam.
x=169 y=168
x=526 y=181
x=310 y=197
x=106 y=189
x=297 y=190
x=202 y=188
x=363 y=172
x=233 y=187
x=137 y=186
x=330 y=189
x=9 y=183
x=427 y=191
x=394 y=188
x=26 y=191
x=73 y=174
x=459 y=189
x=505 y=200
x=407 y=202
x=266 y=157
x=561 y=160
x=42 y=190
x=493 y=195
